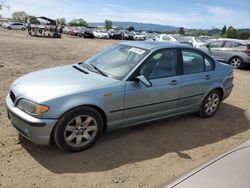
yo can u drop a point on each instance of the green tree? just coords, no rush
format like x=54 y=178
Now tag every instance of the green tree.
x=244 y=35
x=224 y=30
x=20 y=15
x=78 y=22
x=61 y=21
x=32 y=19
x=181 y=31
x=131 y=28
x=108 y=24
x=232 y=32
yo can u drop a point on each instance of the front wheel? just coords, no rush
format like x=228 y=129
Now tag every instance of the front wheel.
x=78 y=129
x=210 y=104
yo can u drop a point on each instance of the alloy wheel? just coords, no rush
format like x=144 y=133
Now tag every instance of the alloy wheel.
x=80 y=131
x=212 y=103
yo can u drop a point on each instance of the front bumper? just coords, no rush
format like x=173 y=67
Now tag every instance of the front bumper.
x=34 y=129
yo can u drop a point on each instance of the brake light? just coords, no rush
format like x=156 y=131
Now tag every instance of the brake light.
x=246 y=51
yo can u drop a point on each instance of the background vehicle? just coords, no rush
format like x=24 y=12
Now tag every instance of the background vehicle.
x=229 y=170
x=126 y=35
x=48 y=29
x=115 y=34
x=88 y=33
x=232 y=51
x=138 y=36
x=103 y=35
x=116 y=88
x=14 y=25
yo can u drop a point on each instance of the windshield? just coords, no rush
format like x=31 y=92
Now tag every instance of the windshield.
x=200 y=39
x=118 y=60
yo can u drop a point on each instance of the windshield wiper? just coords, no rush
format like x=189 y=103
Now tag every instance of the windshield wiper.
x=100 y=71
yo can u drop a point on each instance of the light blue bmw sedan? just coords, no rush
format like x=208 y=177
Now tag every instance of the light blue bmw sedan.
x=123 y=85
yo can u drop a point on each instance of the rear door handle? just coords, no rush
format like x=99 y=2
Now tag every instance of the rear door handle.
x=207 y=77
x=173 y=82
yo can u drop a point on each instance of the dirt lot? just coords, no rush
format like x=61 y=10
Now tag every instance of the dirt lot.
x=142 y=156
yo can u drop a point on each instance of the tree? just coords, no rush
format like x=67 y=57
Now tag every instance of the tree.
x=108 y=24
x=244 y=35
x=224 y=30
x=232 y=32
x=181 y=31
x=61 y=21
x=78 y=22
x=131 y=28
x=20 y=15
x=32 y=20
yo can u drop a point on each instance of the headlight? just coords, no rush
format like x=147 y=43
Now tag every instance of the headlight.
x=31 y=108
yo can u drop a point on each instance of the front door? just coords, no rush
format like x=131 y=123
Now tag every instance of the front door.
x=144 y=103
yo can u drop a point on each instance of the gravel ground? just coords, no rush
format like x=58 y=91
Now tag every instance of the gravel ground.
x=141 y=156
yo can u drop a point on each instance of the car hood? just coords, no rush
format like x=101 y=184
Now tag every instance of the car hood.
x=46 y=84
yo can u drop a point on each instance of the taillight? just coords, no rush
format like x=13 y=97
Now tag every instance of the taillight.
x=246 y=51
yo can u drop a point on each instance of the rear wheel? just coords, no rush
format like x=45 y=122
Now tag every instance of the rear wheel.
x=210 y=104
x=23 y=29
x=236 y=62
x=78 y=129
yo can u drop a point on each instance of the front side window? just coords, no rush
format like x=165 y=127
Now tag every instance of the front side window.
x=160 y=64
x=118 y=60
x=216 y=44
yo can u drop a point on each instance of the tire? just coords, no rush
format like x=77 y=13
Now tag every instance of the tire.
x=23 y=29
x=70 y=133
x=210 y=104
x=236 y=62
x=9 y=28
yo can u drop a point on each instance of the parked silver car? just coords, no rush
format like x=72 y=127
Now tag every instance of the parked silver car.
x=231 y=51
x=124 y=85
x=14 y=25
x=229 y=170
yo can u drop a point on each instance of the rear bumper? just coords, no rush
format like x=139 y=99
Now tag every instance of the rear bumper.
x=34 y=129
x=227 y=92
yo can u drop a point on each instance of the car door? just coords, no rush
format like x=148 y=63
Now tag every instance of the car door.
x=215 y=49
x=197 y=76
x=228 y=50
x=144 y=103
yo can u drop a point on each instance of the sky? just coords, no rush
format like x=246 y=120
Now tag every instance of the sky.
x=196 y=14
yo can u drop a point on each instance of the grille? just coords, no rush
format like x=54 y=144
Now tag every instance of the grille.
x=12 y=96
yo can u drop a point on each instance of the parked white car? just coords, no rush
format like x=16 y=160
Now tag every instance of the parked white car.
x=14 y=25
x=101 y=34
x=139 y=36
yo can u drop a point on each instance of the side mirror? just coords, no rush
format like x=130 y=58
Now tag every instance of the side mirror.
x=144 y=81
x=208 y=45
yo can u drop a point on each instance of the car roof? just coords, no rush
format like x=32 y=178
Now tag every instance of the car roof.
x=234 y=40
x=149 y=45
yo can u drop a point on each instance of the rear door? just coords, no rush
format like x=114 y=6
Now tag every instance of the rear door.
x=196 y=78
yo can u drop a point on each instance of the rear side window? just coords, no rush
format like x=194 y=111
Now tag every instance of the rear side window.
x=209 y=64
x=231 y=44
x=195 y=62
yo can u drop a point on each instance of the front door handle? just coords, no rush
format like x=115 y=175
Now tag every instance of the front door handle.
x=173 y=82
x=207 y=77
